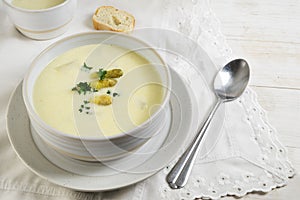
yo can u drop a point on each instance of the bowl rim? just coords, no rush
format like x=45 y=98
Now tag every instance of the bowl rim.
x=33 y=114
x=36 y=10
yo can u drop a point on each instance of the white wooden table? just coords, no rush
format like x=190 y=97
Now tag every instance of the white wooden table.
x=267 y=34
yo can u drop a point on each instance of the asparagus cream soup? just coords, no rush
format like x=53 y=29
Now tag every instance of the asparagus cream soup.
x=106 y=94
x=36 y=4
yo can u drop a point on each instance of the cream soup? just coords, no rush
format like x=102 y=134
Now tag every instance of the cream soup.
x=137 y=94
x=36 y=4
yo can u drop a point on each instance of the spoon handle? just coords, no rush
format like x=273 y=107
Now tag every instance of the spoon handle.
x=178 y=176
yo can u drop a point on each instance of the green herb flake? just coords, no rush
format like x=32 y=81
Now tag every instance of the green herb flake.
x=115 y=94
x=84 y=108
x=101 y=74
x=82 y=87
x=86 y=67
x=108 y=92
x=94 y=90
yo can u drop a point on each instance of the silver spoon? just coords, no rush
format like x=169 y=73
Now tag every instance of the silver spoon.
x=229 y=84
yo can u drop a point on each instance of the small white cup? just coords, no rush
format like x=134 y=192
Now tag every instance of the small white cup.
x=42 y=24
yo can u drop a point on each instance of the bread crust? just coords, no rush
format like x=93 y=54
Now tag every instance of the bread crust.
x=104 y=26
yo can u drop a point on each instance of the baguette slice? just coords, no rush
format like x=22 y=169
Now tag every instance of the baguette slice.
x=110 y=18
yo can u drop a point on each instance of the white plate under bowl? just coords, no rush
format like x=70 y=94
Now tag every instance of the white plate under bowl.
x=184 y=118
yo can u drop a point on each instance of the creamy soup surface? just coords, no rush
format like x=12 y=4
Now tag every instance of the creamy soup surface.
x=36 y=4
x=135 y=97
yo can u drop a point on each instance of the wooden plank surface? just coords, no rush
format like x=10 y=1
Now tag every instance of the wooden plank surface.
x=267 y=34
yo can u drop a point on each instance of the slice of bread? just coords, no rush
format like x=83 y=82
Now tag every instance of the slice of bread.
x=110 y=18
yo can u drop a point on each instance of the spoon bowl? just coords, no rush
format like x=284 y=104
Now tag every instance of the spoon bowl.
x=229 y=84
x=232 y=80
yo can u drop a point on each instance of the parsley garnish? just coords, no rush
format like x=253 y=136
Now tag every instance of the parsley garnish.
x=108 y=92
x=82 y=87
x=85 y=108
x=116 y=94
x=101 y=74
x=94 y=90
x=87 y=67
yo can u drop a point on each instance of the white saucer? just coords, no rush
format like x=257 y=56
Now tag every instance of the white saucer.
x=184 y=115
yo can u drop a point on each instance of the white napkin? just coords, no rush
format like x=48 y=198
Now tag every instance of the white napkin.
x=227 y=168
